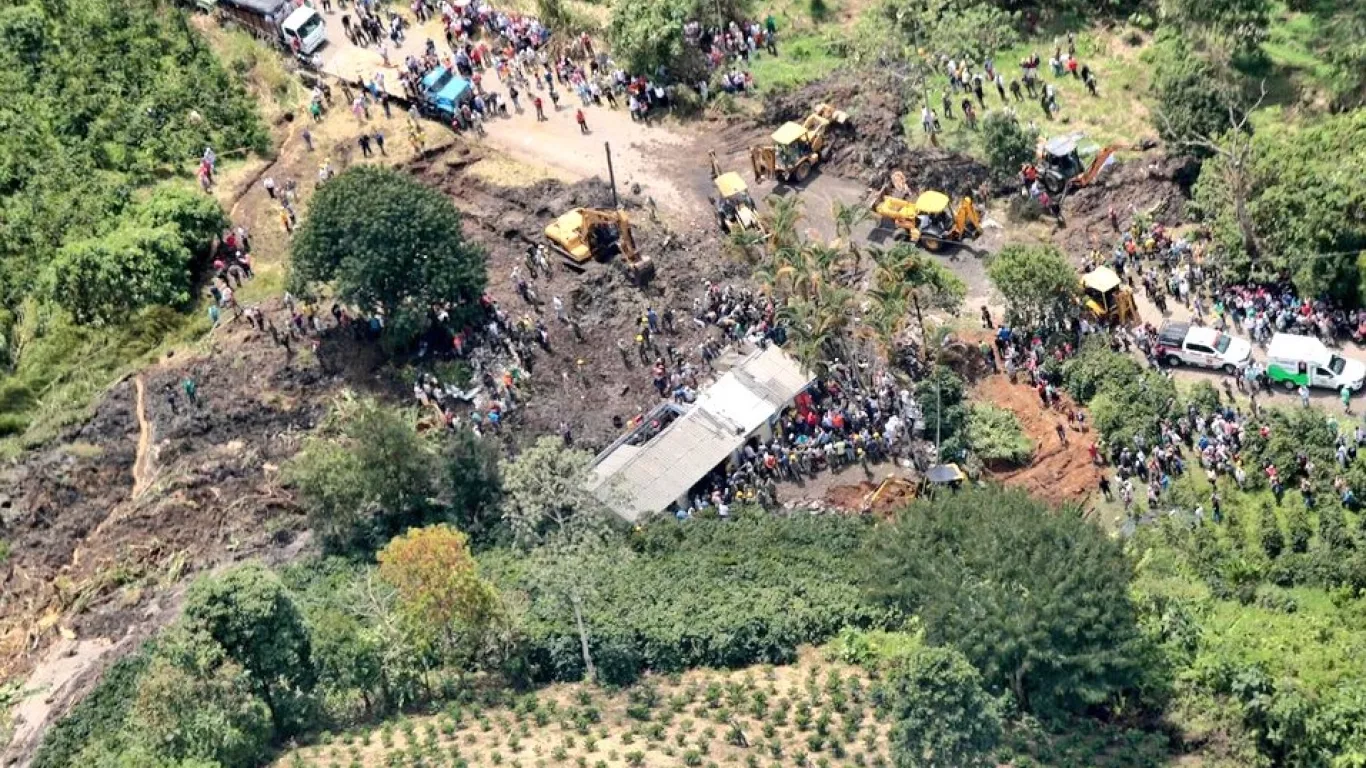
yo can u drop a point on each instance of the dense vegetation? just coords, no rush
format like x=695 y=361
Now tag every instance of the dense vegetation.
x=99 y=98
x=391 y=245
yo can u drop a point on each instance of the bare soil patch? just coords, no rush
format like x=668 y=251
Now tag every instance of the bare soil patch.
x=1059 y=473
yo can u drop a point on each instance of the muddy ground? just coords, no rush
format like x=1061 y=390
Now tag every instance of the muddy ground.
x=608 y=306
x=106 y=524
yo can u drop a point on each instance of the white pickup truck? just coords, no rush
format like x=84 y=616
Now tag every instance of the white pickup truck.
x=1186 y=344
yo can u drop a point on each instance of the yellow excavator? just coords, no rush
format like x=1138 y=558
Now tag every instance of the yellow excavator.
x=797 y=147
x=735 y=209
x=929 y=221
x=585 y=234
x=1106 y=297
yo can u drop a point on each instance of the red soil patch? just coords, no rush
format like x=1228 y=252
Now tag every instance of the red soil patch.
x=1058 y=473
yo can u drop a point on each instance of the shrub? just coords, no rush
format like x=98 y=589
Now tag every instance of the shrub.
x=708 y=593
x=1008 y=145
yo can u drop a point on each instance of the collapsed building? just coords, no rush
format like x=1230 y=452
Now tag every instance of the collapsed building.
x=656 y=466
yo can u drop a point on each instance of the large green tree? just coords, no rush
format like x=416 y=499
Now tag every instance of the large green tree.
x=1288 y=201
x=1040 y=286
x=1037 y=599
x=941 y=716
x=1192 y=96
x=546 y=495
x=251 y=614
x=366 y=475
x=104 y=279
x=389 y=243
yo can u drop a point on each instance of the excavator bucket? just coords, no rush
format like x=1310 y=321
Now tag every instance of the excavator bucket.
x=764 y=160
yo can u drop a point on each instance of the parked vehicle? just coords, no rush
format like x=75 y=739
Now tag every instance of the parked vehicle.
x=1304 y=360
x=298 y=28
x=1186 y=344
x=442 y=94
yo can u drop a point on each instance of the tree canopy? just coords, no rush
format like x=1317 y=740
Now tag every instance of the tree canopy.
x=1036 y=599
x=98 y=97
x=1303 y=203
x=104 y=279
x=439 y=588
x=942 y=718
x=249 y=613
x=1008 y=145
x=546 y=496
x=1192 y=98
x=389 y=243
x=1039 y=285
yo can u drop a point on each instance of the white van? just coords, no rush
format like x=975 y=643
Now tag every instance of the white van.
x=1294 y=360
x=305 y=26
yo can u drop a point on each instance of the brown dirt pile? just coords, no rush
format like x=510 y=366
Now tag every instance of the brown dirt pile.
x=875 y=145
x=1058 y=473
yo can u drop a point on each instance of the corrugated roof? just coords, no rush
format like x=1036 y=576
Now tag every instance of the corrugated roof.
x=636 y=480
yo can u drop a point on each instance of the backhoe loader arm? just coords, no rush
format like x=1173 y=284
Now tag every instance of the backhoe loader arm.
x=1098 y=164
x=966 y=219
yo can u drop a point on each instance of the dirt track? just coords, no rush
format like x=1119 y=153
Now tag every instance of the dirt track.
x=1059 y=473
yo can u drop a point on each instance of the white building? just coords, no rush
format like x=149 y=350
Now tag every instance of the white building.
x=654 y=466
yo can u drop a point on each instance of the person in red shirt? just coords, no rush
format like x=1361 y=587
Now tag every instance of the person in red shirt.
x=540 y=109
x=581 y=120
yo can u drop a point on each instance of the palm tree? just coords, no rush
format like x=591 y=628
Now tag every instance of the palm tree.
x=747 y=244
x=926 y=282
x=846 y=218
x=781 y=220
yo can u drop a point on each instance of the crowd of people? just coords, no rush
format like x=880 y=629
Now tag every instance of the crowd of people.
x=481 y=39
x=837 y=422
x=971 y=83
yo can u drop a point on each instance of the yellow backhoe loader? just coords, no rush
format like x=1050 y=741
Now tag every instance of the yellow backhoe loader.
x=1062 y=168
x=1106 y=298
x=735 y=208
x=929 y=221
x=585 y=234
x=797 y=148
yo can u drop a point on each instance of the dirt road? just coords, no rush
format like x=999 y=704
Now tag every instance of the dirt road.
x=637 y=148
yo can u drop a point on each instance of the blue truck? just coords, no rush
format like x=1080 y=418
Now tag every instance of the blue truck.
x=443 y=92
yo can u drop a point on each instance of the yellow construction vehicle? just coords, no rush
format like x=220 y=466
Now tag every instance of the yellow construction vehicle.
x=930 y=221
x=796 y=147
x=735 y=209
x=584 y=234
x=1107 y=298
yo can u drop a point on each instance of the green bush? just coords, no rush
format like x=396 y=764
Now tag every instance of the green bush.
x=994 y=434
x=702 y=593
x=1007 y=143
x=97 y=717
x=105 y=279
